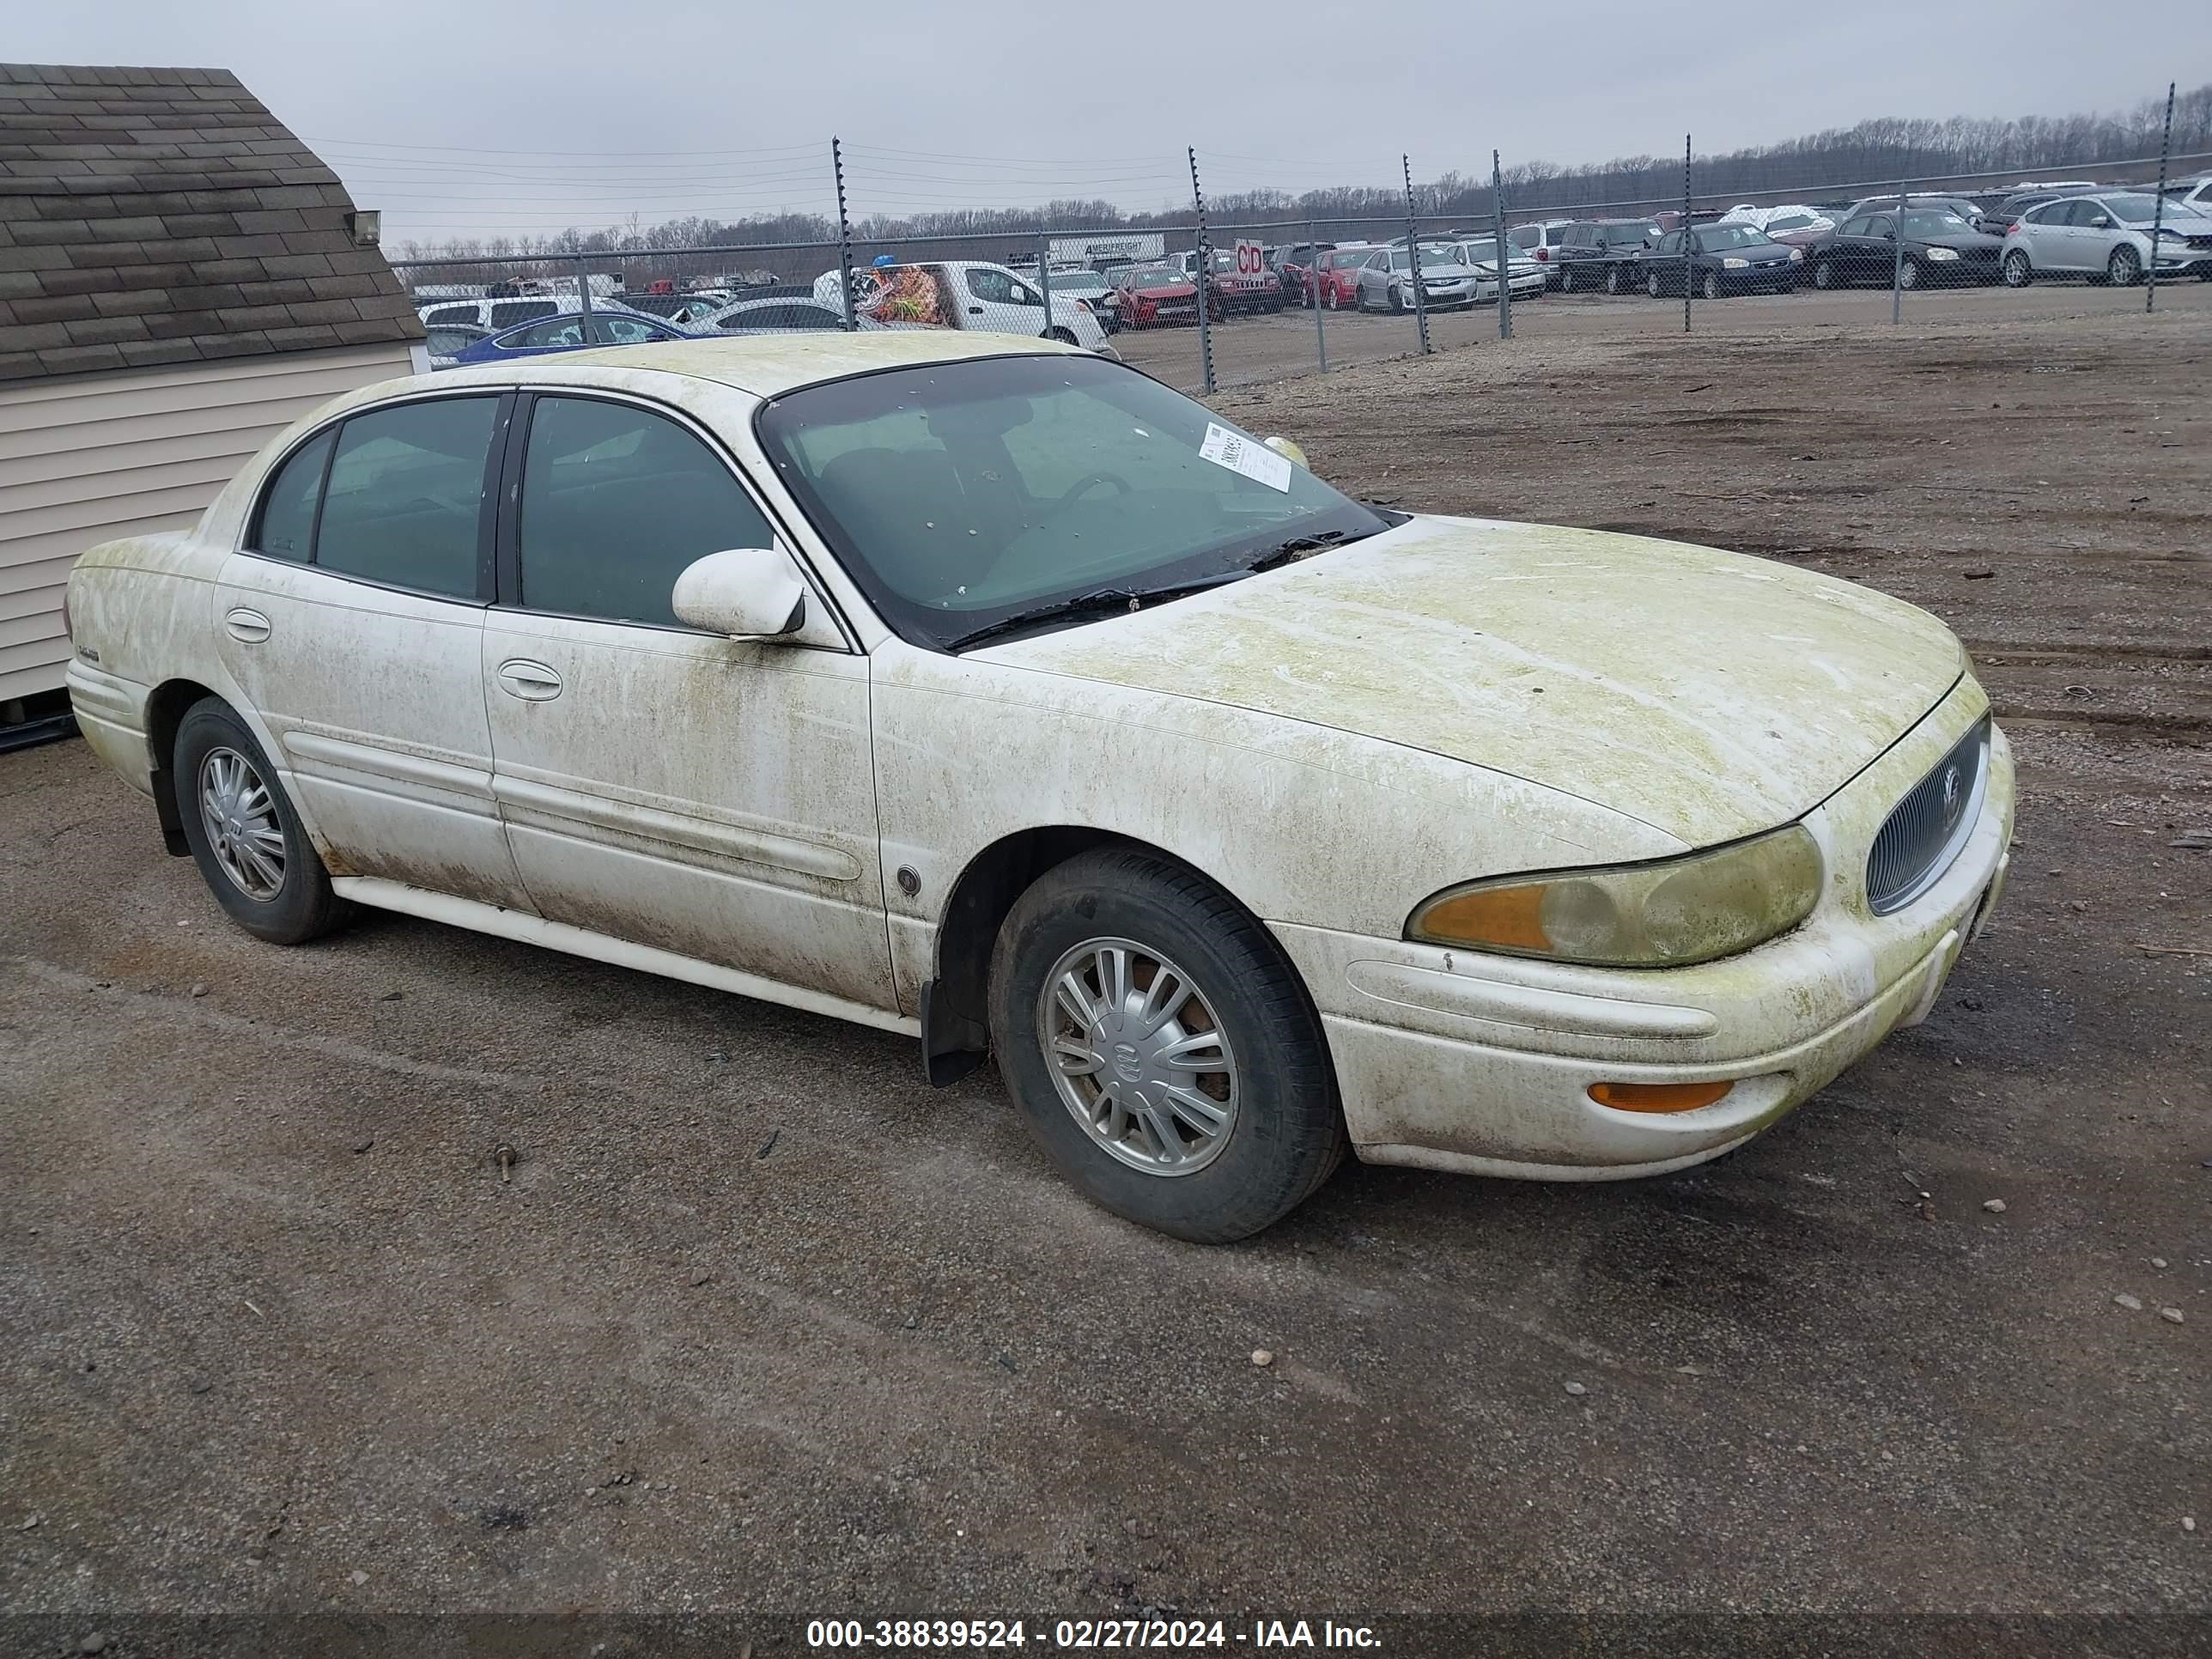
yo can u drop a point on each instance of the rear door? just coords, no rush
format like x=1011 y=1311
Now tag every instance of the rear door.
x=351 y=619
x=681 y=790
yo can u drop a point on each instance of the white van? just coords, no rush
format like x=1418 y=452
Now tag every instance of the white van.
x=964 y=294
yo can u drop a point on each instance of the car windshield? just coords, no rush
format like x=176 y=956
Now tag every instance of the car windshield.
x=1159 y=279
x=1078 y=282
x=1616 y=234
x=1712 y=238
x=2133 y=210
x=959 y=495
x=1926 y=222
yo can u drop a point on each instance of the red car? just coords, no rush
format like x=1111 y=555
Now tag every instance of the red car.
x=1154 y=296
x=1336 y=275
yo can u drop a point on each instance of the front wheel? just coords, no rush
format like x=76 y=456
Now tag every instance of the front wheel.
x=2018 y=273
x=1162 y=1049
x=1397 y=302
x=1712 y=285
x=2125 y=267
x=1651 y=284
x=253 y=853
x=1330 y=300
x=1615 y=282
x=1908 y=274
x=1823 y=275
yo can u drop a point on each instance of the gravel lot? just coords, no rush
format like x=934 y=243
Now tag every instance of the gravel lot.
x=757 y=1322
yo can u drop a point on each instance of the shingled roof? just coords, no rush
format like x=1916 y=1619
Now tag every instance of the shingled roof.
x=163 y=216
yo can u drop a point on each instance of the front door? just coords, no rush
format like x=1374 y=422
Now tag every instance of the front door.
x=1000 y=301
x=352 y=625
x=699 y=794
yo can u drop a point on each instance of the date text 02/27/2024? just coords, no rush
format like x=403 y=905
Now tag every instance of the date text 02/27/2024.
x=1085 y=1634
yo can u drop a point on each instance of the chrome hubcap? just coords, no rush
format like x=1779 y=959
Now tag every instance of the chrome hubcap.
x=241 y=820
x=1138 y=1058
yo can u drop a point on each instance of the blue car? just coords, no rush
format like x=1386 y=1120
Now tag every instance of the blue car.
x=572 y=330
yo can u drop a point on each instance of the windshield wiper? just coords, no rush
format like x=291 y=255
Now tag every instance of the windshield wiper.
x=1105 y=601
x=1298 y=547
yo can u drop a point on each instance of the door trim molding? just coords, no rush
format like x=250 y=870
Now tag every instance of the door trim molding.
x=382 y=895
x=574 y=806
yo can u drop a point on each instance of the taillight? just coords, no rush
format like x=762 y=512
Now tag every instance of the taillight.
x=67 y=632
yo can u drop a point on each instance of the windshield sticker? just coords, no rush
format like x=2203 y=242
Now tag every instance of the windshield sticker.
x=1239 y=454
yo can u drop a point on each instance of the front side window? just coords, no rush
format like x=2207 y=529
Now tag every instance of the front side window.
x=287 y=526
x=995 y=286
x=466 y=314
x=618 y=330
x=405 y=497
x=959 y=495
x=616 y=502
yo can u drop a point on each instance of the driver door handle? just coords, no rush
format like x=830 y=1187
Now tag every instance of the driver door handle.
x=975 y=311
x=533 y=682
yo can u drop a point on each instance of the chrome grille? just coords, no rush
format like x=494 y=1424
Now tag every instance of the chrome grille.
x=1926 y=828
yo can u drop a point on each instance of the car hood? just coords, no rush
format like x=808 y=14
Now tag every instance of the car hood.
x=1710 y=695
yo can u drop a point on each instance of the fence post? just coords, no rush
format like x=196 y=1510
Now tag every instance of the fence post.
x=1204 y=279
x=1044 y=279
x=583 y=286
x=1897 y=272
x=2158 y=209
x=1313 y=274
x=1413 y=258
x=844 y=235
x=1504 y=259
x=1686 y=283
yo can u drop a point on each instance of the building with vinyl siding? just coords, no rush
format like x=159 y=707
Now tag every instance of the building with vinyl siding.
x=179 y=279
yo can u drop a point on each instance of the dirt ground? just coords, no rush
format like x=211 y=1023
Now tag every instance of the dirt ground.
x=759 y=1324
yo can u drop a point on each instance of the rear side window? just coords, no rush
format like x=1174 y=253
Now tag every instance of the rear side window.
x=287 y=526
x=616 y=502
x=466 y=314
x=1526 y=236
x=406 y=495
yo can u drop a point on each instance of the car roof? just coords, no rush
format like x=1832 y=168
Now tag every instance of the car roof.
x=766 y=365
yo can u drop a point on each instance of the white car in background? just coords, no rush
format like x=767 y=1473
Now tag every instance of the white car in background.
x=991 y=692
x=2107 y=237
x=964 y=294
x=1797 y=220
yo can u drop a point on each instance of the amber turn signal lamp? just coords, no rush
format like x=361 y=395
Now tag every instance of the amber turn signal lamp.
x=1658 y=1096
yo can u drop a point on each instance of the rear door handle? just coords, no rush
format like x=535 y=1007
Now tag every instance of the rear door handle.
x=533 y=682
x=250 y=626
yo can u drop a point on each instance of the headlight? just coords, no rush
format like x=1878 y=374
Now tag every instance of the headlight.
x=1669 y=914
x=1942 y=253
x=1736 y=264
x=1797 y=252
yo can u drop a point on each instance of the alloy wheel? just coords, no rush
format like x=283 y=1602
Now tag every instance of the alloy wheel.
x=1138 y=1056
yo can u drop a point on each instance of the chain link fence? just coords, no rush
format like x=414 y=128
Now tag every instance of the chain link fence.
x=1203 y=302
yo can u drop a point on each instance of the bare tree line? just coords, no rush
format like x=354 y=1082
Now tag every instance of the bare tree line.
x=1882 y=148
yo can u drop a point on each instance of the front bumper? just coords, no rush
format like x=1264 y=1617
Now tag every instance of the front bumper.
x=1458 y=1060
x=1778 y=278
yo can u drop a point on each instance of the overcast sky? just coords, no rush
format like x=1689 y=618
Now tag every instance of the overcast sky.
x=492 y=115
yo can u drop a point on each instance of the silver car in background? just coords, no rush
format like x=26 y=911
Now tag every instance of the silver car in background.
x=2107 y=237
x=1524 y=277
x=1386 y=280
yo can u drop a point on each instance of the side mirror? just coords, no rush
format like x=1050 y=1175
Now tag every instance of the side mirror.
x=1287 y=450
x=2102 y=221
x=746 y=592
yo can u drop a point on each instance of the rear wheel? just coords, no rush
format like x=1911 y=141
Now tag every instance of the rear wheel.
x=253 y=853
x=2018 y=272
x=1065 y=336
x=1162 y=1049
x=2126 y=266
x=1651 y=285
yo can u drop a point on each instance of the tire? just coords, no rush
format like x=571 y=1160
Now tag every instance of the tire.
x=2018 y=272
x=1330 y=300
x=1909 y=274
x=1823 y=275
x=1283 y=1130
x=1566 y=279
x=217 y=756
x=2125 y=267
x=1065 y=336
x=1711 y=285
x=1397 y=301
x=1651 y=284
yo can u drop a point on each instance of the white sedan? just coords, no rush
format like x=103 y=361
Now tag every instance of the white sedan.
x=990 y=691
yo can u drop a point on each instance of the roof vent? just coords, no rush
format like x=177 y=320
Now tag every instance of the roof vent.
x=365 y=225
